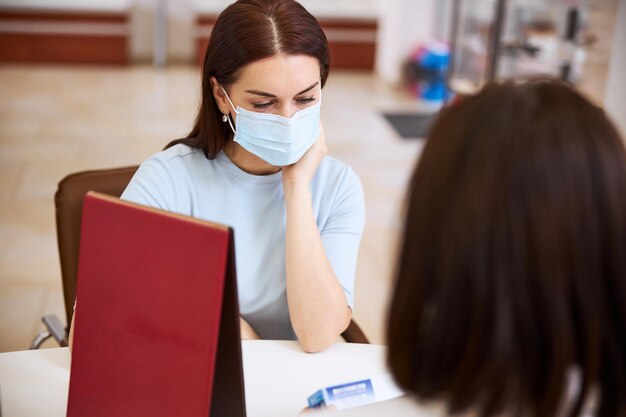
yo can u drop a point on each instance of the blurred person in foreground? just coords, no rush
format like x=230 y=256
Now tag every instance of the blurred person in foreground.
x=511 y=287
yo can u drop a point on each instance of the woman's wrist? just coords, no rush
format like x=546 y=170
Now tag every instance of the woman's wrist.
x=296 y=192
x=293 y=187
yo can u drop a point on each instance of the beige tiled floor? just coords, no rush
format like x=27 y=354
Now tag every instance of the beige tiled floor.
x=55 y=120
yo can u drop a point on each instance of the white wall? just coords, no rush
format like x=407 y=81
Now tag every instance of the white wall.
x=180 y=30
x=180 y=26
x=402 y=25
x=141 y=30
x=615 y=97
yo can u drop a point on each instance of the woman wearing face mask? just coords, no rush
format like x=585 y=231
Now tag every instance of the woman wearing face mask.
x=256 y=160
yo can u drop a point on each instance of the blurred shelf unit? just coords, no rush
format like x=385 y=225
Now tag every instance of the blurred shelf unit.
x=65 y=31
x=351 y=27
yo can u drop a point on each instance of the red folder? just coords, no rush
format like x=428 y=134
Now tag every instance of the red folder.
x=157 y=321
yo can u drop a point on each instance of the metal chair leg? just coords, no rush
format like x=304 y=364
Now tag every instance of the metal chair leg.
x=54 y=328
x=39 y=339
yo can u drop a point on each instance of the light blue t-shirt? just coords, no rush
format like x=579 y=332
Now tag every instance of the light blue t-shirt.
x=182 y=180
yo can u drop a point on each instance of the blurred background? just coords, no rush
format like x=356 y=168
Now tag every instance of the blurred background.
x=97 y=84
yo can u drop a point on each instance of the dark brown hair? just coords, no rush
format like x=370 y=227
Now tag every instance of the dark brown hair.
x=512 y=268
x=245 y=32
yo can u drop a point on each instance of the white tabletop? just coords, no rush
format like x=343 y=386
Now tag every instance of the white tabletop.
x=278 y=375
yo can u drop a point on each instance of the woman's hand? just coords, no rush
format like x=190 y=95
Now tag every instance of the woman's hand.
x=301 y=172
x=247 y=332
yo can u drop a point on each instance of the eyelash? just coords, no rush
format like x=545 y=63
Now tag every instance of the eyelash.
x=306 y=100
x=302 y=101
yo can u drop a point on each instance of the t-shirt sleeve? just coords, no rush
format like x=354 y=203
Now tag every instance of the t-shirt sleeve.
x=152 y=185
x=341 y=235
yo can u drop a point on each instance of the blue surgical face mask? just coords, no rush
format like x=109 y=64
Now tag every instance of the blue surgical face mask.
x=278 y=140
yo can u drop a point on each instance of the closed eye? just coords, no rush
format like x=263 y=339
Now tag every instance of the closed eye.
x=302 y=101
x=305 y=100
x=262 y=106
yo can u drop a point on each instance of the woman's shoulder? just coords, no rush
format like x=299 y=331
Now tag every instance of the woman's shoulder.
x=332 y=163
x=174 y=161
x=167 y=178
x=337 y=187
x=177 y=153
x=335 y=171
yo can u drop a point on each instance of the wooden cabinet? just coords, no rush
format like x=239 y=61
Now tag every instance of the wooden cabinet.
x=30 y=34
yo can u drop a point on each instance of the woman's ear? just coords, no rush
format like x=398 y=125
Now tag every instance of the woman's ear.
x=220 y=96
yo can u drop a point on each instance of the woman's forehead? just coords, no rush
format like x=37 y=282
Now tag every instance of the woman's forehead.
x=281 y=75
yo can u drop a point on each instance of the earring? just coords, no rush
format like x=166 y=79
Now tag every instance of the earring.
x=224 y=118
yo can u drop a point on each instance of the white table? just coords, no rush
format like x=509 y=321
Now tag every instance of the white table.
x=278 y=376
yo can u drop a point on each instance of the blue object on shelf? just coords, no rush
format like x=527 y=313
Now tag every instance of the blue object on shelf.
x=431 y=64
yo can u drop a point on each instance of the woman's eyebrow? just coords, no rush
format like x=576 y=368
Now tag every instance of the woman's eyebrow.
x=312 y=86
x=260 y=93
x=270 y=95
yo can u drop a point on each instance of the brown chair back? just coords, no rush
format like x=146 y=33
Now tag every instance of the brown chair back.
x=354 y=334
x=68 y=202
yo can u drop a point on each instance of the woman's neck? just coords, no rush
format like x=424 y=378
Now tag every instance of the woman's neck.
x=246 y=161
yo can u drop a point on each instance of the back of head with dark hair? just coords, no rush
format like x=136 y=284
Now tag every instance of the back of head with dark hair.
x=245 y=32
x=513 y=263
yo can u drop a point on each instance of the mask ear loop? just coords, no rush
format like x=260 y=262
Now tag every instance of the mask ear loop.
x=227 y=116
x=231 y=125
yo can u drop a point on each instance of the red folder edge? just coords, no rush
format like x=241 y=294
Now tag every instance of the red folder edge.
x=132 y=324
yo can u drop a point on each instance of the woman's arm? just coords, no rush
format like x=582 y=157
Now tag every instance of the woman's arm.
x=247 y=332
x=318 y=307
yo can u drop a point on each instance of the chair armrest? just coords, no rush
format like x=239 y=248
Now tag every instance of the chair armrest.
x=56 y=329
